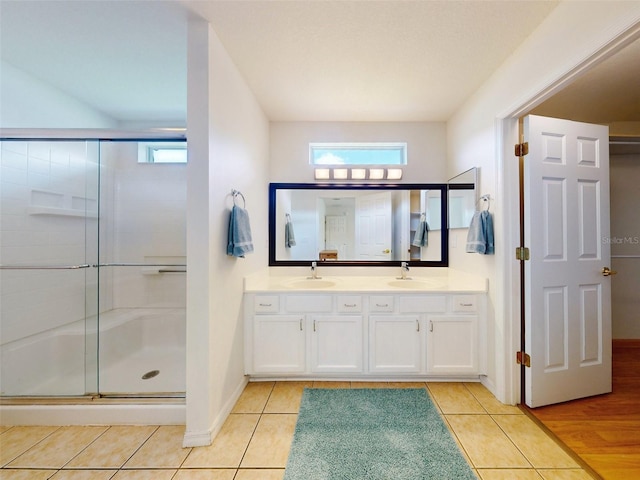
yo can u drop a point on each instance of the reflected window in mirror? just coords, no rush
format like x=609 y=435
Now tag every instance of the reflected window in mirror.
x=358 y=224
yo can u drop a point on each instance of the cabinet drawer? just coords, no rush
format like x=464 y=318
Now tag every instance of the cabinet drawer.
x=464 y=303
x=423 y=304
x=349 y=303
x=381 y=303
x=308 y=303
x=266 y=304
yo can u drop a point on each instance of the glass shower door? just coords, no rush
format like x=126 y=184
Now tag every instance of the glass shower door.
x=142 y=271
x=48 y=288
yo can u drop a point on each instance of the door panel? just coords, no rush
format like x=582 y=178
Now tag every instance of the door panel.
x=373 y=226
x=567 y=299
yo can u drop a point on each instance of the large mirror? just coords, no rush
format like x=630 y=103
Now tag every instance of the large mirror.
x=462 y=198
x=346 y=224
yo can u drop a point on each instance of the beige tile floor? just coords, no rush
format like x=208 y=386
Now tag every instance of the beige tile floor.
x=499 y=441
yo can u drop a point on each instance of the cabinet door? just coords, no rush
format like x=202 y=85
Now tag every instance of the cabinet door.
x=395 y=344
x=336 y=343
x=279 y=344
x=452 y=344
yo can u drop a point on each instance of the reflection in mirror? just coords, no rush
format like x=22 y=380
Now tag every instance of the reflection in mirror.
x=462 y=198
x=357 y=224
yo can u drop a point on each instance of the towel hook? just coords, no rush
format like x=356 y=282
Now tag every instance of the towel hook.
x=235 y=193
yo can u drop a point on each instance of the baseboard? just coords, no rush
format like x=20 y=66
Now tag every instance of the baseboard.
x=626 y=342
x=203 y=439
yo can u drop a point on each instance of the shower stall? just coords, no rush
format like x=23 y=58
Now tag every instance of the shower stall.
x=92 y=267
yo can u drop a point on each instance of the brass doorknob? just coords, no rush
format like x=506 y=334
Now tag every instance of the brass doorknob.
x=386 y=251
x=607 y=272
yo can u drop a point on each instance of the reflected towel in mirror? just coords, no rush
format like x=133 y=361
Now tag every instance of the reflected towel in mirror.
x=421 y=237
x=289 y=236
x=239 y=237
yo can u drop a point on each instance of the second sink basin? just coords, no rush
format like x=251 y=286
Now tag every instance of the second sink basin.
x=412 y=284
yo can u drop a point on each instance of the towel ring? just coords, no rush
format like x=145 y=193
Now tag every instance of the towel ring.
x=235 y=193
x=485 y=198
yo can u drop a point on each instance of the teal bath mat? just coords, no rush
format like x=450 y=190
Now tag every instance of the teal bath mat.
x=373 y=434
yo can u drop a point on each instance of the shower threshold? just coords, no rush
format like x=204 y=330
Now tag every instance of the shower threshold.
x=169 y=409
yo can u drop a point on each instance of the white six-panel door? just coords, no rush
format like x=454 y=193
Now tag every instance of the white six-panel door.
x=567 y=298
x=373 y=226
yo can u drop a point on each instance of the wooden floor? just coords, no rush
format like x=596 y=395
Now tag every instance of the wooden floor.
x=605 y=430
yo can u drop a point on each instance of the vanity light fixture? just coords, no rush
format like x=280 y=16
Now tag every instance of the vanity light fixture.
x=394 y=173
x=376 y=173
x=340 y=173
x=322 y=173
x=358 y=173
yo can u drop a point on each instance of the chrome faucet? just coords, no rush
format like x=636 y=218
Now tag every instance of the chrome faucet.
x=314 y=271
x=404 y=269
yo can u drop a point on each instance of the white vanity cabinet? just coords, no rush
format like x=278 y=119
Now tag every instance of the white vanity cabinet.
x=453 y=341
x=336 y=344
x=395 y=344
x=278 y=344
x=365 y=335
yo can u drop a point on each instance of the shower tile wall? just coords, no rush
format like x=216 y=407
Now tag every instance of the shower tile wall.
x=147 y=224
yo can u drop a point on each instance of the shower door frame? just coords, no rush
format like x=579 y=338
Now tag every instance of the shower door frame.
x=92 y=305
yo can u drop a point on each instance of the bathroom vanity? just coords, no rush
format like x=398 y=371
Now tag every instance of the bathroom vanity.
x=366 y=327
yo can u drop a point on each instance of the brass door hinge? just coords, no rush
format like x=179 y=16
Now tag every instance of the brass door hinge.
x=521 y=149
x=523 y=359
x=522 y=253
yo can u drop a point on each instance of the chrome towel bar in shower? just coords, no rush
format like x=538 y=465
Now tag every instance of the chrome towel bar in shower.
x=76 y=267
x=43 y=267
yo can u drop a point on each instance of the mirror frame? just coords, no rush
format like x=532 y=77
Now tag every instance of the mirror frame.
x=444 y=247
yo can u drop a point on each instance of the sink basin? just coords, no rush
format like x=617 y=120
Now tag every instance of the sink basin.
x=311 y=283
x=412 y=284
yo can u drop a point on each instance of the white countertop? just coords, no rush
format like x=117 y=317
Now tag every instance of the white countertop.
x=418 y=280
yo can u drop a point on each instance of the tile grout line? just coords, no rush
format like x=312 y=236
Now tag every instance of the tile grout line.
x=255 y=428
x=6 y=465
x=85 y=447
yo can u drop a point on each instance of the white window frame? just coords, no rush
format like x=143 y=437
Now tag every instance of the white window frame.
x=369 y=146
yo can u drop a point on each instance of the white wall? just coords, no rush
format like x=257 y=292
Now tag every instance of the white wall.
x=426 y=147
x=476 y=137
x=27 y=102
x=228 y=149
x=625 y=240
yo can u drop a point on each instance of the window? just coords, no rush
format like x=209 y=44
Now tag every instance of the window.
x=366 y=158
x=358 y=153
x=162 y=152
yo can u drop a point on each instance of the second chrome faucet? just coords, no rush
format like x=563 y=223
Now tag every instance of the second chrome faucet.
x=314 y=271
x=404 y=270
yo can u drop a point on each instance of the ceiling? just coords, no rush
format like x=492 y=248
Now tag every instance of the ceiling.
x=338 y=60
